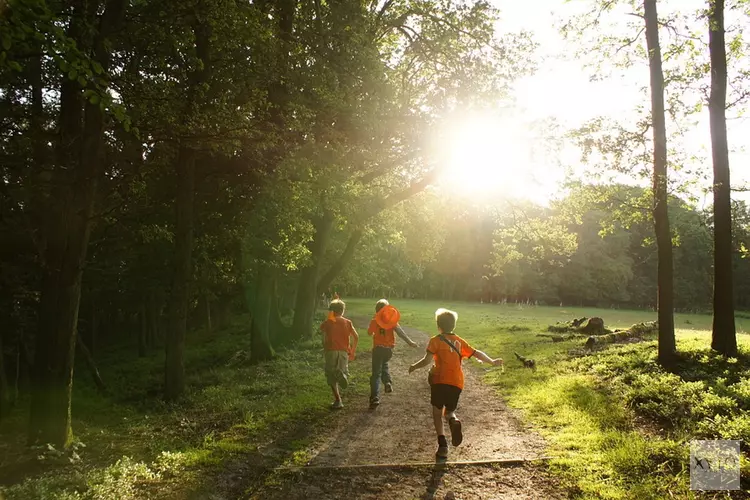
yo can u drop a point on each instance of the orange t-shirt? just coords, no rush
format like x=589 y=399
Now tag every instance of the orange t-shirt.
x=448 y=369
x=381 y=336
x=337 y=334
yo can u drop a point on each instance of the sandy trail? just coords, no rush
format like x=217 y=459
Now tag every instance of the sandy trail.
x=400 y=432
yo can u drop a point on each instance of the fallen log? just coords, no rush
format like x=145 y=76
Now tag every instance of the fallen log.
x=560 y=338
x=587 y=326
x=636 y=331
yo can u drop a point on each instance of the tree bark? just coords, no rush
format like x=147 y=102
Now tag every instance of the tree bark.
x=79 y=156
x=152 y=313
x=16 y=374
x=174 y=372
x=5 y=398
x=724 y=334
x=260 y=338
x=279 y=330
x=665 y=294
x=304 y=307
x=142 y=331
x=207 y=303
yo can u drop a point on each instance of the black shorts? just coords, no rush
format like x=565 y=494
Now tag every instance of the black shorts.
x=444 y=396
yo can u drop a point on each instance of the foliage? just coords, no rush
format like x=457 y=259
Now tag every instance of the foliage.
x=594 y=246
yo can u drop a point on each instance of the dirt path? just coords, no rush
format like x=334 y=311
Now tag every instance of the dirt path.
x=400 y=431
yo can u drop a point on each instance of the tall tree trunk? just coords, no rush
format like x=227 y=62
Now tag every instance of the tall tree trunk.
x=5 y=398
x=142 y=331
x=665 y=299
x=80 y=152
x=65 y=254
x=174 y=371
x=279 y=330
x=23 y=369
x=93 y=327
x=260 y=339
x=66 y=236
x=207 y=304
x=154 y=315
x=17 y=376
x=724 y=335
x=304 y=307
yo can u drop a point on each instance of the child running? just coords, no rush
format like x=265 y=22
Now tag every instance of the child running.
x=337 y=332
x=381 y=329
x=447 y=377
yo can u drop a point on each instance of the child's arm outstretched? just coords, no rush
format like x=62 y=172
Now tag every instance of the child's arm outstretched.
x=401 y=333
x=482 y=357
x=422 y=362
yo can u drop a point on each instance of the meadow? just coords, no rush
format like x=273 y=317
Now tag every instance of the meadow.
x=618 y=425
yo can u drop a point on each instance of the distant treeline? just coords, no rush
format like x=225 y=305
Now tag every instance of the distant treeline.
x=592 y=248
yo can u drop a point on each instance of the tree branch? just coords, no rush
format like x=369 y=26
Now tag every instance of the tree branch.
x=391 y=201
x=344 y=259
x=630 y=42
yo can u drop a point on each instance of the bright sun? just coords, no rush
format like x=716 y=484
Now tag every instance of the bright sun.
x=487 y=155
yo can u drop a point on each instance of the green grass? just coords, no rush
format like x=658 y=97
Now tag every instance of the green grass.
x=618 y=424
x=136 y=446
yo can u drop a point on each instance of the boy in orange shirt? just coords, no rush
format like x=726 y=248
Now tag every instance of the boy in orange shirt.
x=447 y=377
x=337 y=331
x=381 y=329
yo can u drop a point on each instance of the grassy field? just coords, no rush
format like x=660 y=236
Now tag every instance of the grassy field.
x=617 y=423
x=138 y=447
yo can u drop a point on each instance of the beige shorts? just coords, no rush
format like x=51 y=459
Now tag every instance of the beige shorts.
x=337 y=367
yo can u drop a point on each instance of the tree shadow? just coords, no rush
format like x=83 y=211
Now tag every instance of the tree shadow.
x=708 y=365
x=598 y=404
x=337 y=452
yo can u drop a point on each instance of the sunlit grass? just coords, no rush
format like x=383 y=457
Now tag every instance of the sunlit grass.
x=618 y=424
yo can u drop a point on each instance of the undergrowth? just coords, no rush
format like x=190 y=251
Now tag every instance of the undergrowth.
x=137 y=446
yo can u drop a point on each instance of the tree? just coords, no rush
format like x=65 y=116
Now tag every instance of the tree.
x=421 y=49
x=79 y=164
x=174 y=371
x=723 y=336
x=667 y=345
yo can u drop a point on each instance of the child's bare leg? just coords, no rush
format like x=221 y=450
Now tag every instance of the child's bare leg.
x=336 y=394
x=437 y=417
